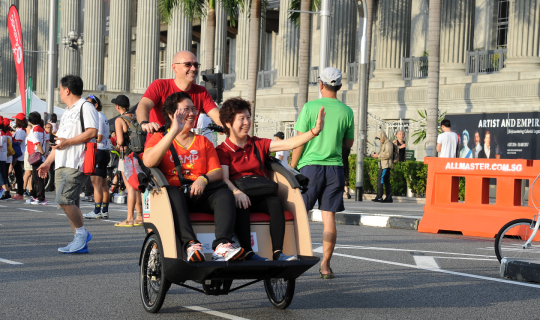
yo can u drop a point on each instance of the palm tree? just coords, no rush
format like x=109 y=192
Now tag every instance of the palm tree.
x=253 y=58
x=433 y=76
x=200 y=9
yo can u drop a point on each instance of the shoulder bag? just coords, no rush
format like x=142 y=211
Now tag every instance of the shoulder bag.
x=255 y=186
x=90 y=151
x=35 y=158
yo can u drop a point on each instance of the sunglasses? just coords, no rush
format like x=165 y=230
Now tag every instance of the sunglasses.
x=189 y=64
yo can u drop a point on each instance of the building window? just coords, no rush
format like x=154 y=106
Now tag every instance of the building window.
x=503 y=15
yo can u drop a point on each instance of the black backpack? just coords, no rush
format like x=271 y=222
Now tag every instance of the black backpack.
x=137 y=137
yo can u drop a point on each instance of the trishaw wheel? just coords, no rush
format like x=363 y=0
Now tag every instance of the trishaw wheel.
x=153 y=284
x=280 y=291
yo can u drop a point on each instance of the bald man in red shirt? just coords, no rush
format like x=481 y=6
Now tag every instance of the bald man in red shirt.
x=186 y=69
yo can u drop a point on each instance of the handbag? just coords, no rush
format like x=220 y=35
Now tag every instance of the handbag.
x=35 y=158
x=185 y=184
x=255 y=186
x=10 y=150
x=90 y=151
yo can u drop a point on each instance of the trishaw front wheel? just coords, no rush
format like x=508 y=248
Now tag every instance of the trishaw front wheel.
x=280 y=292
x=153 y=284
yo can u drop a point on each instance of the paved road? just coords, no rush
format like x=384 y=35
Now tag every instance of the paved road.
x=381 y=274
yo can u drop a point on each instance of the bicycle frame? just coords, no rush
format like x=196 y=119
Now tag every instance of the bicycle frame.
x=537 y=224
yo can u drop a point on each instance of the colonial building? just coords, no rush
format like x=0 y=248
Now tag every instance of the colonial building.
x=490 y=54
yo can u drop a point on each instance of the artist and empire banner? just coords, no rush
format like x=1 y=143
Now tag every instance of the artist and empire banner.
x=498 y=135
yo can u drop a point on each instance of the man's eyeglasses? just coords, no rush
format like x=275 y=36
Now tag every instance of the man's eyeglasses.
x=189 y=64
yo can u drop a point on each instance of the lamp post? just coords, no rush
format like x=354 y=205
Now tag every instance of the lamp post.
x=74 y=43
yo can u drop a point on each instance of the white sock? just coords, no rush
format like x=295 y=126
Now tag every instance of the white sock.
x=81 y=230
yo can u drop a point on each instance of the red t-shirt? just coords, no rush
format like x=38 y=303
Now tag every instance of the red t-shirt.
x=113 y=141
x=161 y=89
x=242 y=161
x=199 y=158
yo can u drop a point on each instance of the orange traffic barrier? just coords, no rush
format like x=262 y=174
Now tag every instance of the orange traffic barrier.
x=476 y=216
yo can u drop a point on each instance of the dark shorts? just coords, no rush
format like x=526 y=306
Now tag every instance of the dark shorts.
x=326 y=185
x=102 y=161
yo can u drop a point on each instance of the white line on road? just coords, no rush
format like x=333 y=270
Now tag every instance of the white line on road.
x=435 y=270
x=29 y=210
x=4 y=206
x=111 y=220
x=60 y=214
x=215 y=313
x=344 y=246
x=426 y=262
x=10 y=261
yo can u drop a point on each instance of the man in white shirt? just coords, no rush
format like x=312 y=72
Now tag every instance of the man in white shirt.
x=447 y=141
x=66 y=154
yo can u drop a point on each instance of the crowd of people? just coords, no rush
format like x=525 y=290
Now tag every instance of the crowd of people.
x=212 y=178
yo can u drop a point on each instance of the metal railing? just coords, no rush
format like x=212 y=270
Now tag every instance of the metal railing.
x=414 y=68
x=228 y=81
x=352 y=71
x=266 y=79
x=485 y=62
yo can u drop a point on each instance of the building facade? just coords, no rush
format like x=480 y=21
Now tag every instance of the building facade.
x=490 y=54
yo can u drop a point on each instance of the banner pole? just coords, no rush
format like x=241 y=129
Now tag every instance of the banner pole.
x=52 y=69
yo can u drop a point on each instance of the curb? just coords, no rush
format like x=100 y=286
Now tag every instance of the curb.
x=370 y=220
x=367 y=197
x=525 y=270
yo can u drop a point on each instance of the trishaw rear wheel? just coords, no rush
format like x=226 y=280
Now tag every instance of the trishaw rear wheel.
x=280 y=292
x=154 y=285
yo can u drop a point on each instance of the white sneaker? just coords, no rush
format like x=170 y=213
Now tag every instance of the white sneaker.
x=92 y=215
x=105 y=215
x=228 y=252
x=78 y=245
x=29 y=201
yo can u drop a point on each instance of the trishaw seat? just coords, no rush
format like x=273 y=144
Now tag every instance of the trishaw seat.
x=254 y=217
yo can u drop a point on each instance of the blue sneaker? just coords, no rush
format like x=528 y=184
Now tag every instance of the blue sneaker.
x=78 y=245
x=257 y=257
x=283 y=257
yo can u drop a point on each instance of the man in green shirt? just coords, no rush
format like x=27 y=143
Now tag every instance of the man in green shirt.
x=320 y=159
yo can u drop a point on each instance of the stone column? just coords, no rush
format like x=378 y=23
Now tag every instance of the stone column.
x=457 y=18
x=242 y=51
x=8 y=75
x=119 y=60
x=28 y=12
x=42 y=45
x=220 y=41
x=178 y=37
x=343 y=35
x=523 y=36
x=392 y=38
x=69 y=21
x=419 y=27
x=232 y=55
x=147 y=54
x=287 y=71
x=94 y=44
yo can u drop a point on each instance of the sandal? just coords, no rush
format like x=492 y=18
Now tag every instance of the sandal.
x=138 y=222
x=125 y=223
x=328 y=275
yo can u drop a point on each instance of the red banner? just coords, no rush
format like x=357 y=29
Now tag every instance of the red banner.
x=15 y=35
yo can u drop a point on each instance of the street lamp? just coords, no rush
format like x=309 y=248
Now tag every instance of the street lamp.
x=74 y=43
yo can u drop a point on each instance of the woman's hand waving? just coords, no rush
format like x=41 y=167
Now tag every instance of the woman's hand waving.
x=320 y=122
x=178 y=121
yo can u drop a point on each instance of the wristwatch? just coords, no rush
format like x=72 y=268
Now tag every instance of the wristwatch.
x=144 y=122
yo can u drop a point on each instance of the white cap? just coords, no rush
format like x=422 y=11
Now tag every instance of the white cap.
x=331 y=76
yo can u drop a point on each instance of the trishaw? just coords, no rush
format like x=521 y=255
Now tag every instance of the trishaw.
x=216 y=277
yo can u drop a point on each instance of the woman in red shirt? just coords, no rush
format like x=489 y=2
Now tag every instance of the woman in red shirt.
x=237 y=157
x=201 y=169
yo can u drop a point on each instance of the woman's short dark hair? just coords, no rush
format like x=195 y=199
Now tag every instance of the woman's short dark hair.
x=34 y=118
x=21 y=123
x=54 y=118
x=230 y=109
x=171 y=104
x=73 y=83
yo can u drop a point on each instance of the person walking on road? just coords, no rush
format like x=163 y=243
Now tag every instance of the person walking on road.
x=386 y=164
x=448 y=141
x=99 y=179
x=36 y=143
x=70 y=144
x=20 y=137
x=186 y=70
x=321 y=160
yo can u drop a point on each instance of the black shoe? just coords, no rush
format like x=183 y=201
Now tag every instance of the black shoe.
x=388 y=200
x=377 y=200
x=26 y=193
x=5 y=196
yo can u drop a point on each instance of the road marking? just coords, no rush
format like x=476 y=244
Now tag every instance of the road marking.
x=60 y=214
x=111 y=220
x=426 y=262
x=344 y=246
x=435 y=270
x=10 y=261
x=29 y=210
x=215 y=313
x=4 y=206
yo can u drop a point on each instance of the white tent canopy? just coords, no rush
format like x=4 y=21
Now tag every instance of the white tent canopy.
x=13 y=107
